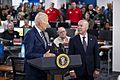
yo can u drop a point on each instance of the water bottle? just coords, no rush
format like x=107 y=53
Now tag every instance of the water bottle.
x=22 y=53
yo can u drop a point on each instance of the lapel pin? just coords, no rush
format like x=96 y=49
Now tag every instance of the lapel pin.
x=91 y=39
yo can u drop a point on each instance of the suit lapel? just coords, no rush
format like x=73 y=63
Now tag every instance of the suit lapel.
x=89 y=42
x=79 y=43
x=38 y=36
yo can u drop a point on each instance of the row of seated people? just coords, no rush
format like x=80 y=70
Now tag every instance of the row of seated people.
x=74 y=13
x=28 y=24
x=66 y=24
x=13 y=33
x=23 y=23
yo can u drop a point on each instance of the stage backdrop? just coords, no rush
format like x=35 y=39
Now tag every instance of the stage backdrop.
x=86 y=1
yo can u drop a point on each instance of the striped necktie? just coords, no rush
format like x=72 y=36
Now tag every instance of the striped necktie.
x=44 y=38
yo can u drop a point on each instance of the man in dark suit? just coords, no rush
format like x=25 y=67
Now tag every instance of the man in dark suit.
x=36 y=47
x=85 y=45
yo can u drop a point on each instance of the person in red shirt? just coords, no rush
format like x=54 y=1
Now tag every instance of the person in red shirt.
x=53 y=14
x=74 y=14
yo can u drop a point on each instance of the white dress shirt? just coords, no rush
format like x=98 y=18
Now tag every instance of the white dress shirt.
x=86 y=38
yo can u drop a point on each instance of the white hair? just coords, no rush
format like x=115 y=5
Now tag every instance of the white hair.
x=40 y=17
x=61 y=28
x=85 y=23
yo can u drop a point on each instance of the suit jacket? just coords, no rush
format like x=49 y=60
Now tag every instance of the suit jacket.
x=34 y=48
x=90 y=58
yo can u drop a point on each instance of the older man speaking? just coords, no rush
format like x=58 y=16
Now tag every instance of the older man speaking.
x=36 y=47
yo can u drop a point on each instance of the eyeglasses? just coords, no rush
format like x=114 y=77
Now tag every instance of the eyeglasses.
x=61 y=31
x=80 y=25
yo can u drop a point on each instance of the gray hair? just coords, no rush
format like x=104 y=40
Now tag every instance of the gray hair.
x=11 y=24
x=40 y=17
x=85 y=22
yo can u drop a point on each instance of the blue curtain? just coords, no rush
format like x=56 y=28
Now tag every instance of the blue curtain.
x=87 y=1
x=34 y=1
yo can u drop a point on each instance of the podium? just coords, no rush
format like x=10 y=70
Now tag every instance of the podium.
x=48 y=64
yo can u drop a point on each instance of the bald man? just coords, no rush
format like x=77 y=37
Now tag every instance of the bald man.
x=36 y=47
x=62 y=38
x=85 y=45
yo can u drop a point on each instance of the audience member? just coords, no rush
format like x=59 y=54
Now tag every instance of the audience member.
x=40 y=8
x=99 y=19
x=20 y=14
x=83 y=9
x=10 y=34
x=74 y=14
x=53 y=14
x=91 y=11
x=107 y=26
x=109 y=8
x=26 y=24
x=26 y=10
x=3 y=15
x=12 y=11
x=90 y=21
x=33 y=13
x=62 y=38
x=109 y=13
x=63 y=11
x=5 y=23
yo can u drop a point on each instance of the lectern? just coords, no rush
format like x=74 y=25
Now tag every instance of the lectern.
x=49 y=64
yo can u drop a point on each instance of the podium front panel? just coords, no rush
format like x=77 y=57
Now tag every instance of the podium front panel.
x=49 y=64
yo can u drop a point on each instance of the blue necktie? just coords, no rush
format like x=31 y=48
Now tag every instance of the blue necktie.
x=84 y=44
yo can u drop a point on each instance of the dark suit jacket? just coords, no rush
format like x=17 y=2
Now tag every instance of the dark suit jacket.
x=90 y=58
x=34 y=48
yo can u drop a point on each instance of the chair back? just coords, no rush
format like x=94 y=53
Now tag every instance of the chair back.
x=17 y=64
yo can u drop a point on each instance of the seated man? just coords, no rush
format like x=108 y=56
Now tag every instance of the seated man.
x=10 y=34
x=62 y=38
x=26 y=24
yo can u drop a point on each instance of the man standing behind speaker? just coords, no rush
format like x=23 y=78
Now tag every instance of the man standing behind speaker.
x=85 y=45
x=36 y=46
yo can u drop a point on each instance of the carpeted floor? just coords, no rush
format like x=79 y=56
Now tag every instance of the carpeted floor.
x=104 y=72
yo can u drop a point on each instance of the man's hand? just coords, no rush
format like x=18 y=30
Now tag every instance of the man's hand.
x=96 y=73
x=48 y=54
x=73 y=74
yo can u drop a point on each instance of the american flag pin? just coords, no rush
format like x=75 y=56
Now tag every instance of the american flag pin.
x=91 y=39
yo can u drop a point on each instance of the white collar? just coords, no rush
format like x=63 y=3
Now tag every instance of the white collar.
x=86 y=35
x=38 y=29
x=86 y=38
